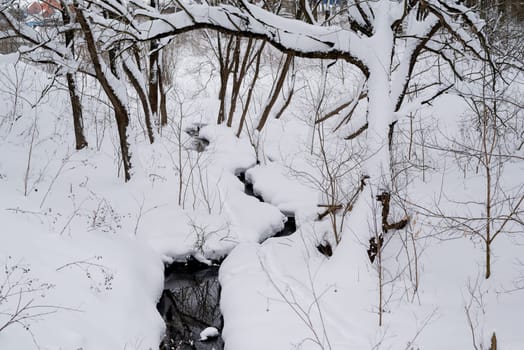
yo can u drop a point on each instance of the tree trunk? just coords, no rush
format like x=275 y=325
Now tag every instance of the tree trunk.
x=76 y=105
x=237 y=81
x=121 y=113
x=153 y=76
x=251 y=88
x=275 y=92
x=239 y=72
x=493 y=342
x=378 y=163
x=143 y=100
x=488 y=259
x=163 y=100
x=156 y=90
x=225 y=70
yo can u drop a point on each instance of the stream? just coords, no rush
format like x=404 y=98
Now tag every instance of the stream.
x=190 y=301
x=189 y=304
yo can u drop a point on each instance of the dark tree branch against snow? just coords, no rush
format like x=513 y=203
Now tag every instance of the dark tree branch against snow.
x=348 y=164
x=288 y=35
x=112 y=87
x=384 y=41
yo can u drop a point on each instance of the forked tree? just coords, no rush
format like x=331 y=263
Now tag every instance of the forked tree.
x=383 y=39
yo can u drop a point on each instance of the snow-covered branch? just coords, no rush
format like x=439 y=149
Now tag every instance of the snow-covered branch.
x=288 y=35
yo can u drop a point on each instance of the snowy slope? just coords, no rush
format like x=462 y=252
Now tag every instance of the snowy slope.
x=85 y=250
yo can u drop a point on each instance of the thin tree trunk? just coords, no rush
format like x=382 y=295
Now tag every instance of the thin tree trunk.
x=141 y=89
x=488 y=259
x=287 y=100
x=76 y=105
x=142 y=95
x=380 y=282
x=488 y=212
x=239 y=76
x=235 y=88
x=487 y=149
x=121 y=113
x=493 y=342
x=153 y=78
x=156 y=91
x=163 y=100
x=225 y=71
x=251 y=88
x=153 y=75
x=275 y=92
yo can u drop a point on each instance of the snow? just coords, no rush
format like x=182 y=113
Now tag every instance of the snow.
x=10 y=58
x=298 y=36
x=88 y=250
x=209 y=332
x=332 y=303
x=101 y=244
x=101 y=290
x=278 y=188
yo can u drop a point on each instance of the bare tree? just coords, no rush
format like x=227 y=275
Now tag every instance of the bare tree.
x=377 y=31
x=76 y=105
x=372 y=44
x=489 y=143
x=487 y=146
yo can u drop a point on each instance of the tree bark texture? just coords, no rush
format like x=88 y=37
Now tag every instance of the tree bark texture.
x=76 y=105
x=121 y=113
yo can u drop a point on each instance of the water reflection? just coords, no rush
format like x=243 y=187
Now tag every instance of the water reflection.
x=190 y=301
x=189 y=304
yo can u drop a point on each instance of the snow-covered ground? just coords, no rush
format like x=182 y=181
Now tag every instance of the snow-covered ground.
x=83 y=252
x=435 y=294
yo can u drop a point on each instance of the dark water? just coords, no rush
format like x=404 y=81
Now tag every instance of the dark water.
x=190 y=301
x=248 y=187
x=290 y=225
x=189 y=304
x=198 y=143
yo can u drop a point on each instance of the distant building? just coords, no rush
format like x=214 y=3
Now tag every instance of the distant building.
x=44 y=9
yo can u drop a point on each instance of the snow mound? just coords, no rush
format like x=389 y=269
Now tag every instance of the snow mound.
x=209 y=332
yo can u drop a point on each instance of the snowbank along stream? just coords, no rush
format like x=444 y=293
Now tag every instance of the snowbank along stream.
x=190 y=301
